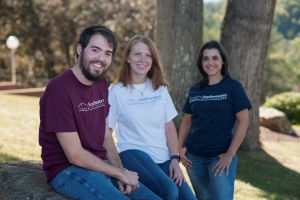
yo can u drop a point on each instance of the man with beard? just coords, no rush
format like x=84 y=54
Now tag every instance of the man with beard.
x=79 y=156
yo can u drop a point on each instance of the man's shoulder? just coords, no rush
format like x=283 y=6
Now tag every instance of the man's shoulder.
x=59 y=82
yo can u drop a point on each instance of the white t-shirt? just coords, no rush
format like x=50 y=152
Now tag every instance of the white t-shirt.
x=138 y=114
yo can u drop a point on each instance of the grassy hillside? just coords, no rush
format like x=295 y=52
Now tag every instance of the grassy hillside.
x=271 y=173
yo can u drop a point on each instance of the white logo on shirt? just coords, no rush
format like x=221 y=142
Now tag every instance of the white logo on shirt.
x=91 y=105
x=209 y=98
x=144 y=100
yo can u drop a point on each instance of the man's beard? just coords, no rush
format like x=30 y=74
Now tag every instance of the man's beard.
x=84 y=67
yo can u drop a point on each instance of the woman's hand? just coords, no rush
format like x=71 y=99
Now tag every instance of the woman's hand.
x=184 y=160
x=175 y=172
x=223 y=164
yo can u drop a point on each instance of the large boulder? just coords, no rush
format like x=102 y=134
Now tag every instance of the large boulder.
x=275 y=120
x=25 y=181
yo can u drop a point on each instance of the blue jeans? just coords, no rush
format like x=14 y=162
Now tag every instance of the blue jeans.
x=80 y=183
x=208 y=186
x=155 y=176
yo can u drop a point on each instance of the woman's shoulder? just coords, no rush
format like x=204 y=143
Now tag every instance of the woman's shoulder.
x=116 y=87
x=195 y=86
x=232 y=82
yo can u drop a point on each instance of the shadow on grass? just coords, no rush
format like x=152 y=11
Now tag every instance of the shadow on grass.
x=8 y=158
x=264 y=172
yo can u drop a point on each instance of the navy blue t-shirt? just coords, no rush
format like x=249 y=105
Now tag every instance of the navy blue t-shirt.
x=213 y=110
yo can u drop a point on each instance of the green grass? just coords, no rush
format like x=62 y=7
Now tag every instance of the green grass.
x=19 y=121
x=270 y=173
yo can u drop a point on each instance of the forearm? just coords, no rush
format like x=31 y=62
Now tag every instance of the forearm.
x=86 y=159
x=112 y=153
x=172 y=140
x=240 y=132
x=79 y=156
x=184 y=129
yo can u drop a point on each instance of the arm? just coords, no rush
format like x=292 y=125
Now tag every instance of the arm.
x=79 y=156
x=183 y=132
x=239 y=135
x=115 y=160
x=109 y=145
x=172 y=142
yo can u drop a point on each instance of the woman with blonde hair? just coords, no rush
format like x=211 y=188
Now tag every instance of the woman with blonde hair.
x=142 y=114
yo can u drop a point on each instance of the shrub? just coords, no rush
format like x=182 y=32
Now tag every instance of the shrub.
x=287 y=102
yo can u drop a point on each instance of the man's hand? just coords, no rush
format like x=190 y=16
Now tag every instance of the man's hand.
x=128 y=181
x=125 y=189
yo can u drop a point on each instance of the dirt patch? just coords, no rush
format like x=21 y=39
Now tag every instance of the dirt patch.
x=269 y=135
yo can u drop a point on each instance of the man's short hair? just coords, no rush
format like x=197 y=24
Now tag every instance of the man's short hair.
x=89 y=31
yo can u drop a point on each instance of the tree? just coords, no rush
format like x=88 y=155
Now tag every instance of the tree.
x=245 y=34
x=178 y=37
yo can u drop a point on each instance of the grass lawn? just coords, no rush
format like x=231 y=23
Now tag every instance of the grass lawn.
x=270 y=173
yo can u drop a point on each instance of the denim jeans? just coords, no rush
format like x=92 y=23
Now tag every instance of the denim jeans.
x=80 y=183
x=208 y=186
x=155 y=176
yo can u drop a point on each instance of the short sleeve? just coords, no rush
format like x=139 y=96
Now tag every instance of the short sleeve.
x=170 y=110
x=239 y=98
x=113 y=110
x=58 y=112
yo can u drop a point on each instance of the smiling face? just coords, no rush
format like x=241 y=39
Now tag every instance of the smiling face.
x=95 y=58
x=212 y=63
x=140 y=60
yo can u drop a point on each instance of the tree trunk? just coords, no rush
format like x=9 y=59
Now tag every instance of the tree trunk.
x=245 y=35
x=178 y=38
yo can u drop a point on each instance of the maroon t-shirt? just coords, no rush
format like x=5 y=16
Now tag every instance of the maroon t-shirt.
x=69 y=106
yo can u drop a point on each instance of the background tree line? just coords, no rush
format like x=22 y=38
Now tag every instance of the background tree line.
x=47 y=31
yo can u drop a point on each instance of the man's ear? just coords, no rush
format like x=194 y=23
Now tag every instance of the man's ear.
x=79 y=49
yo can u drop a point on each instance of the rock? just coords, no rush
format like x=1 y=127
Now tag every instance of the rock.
x=275 y=120
x=25 y=181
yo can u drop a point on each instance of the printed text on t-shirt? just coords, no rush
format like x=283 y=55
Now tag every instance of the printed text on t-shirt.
x=91 y=105
x=209 y=98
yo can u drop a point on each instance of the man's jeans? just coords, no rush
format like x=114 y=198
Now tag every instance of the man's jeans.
x=80 y=183
x=208 y=186
x=155 y=176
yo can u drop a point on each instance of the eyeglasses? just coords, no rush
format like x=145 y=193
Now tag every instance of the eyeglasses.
x=213 y=59
x=139 y=55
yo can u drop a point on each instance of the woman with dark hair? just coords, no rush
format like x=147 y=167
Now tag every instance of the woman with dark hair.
x=214 y=125
x=142 y=114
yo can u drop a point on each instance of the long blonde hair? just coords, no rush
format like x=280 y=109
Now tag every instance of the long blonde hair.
x=156 y=71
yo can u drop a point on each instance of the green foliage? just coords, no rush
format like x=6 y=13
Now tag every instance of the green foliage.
x=282 y=68
x=288 y=18
x=213 y=17
x=287 y=102
x=48 y=31
x=279 y=72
